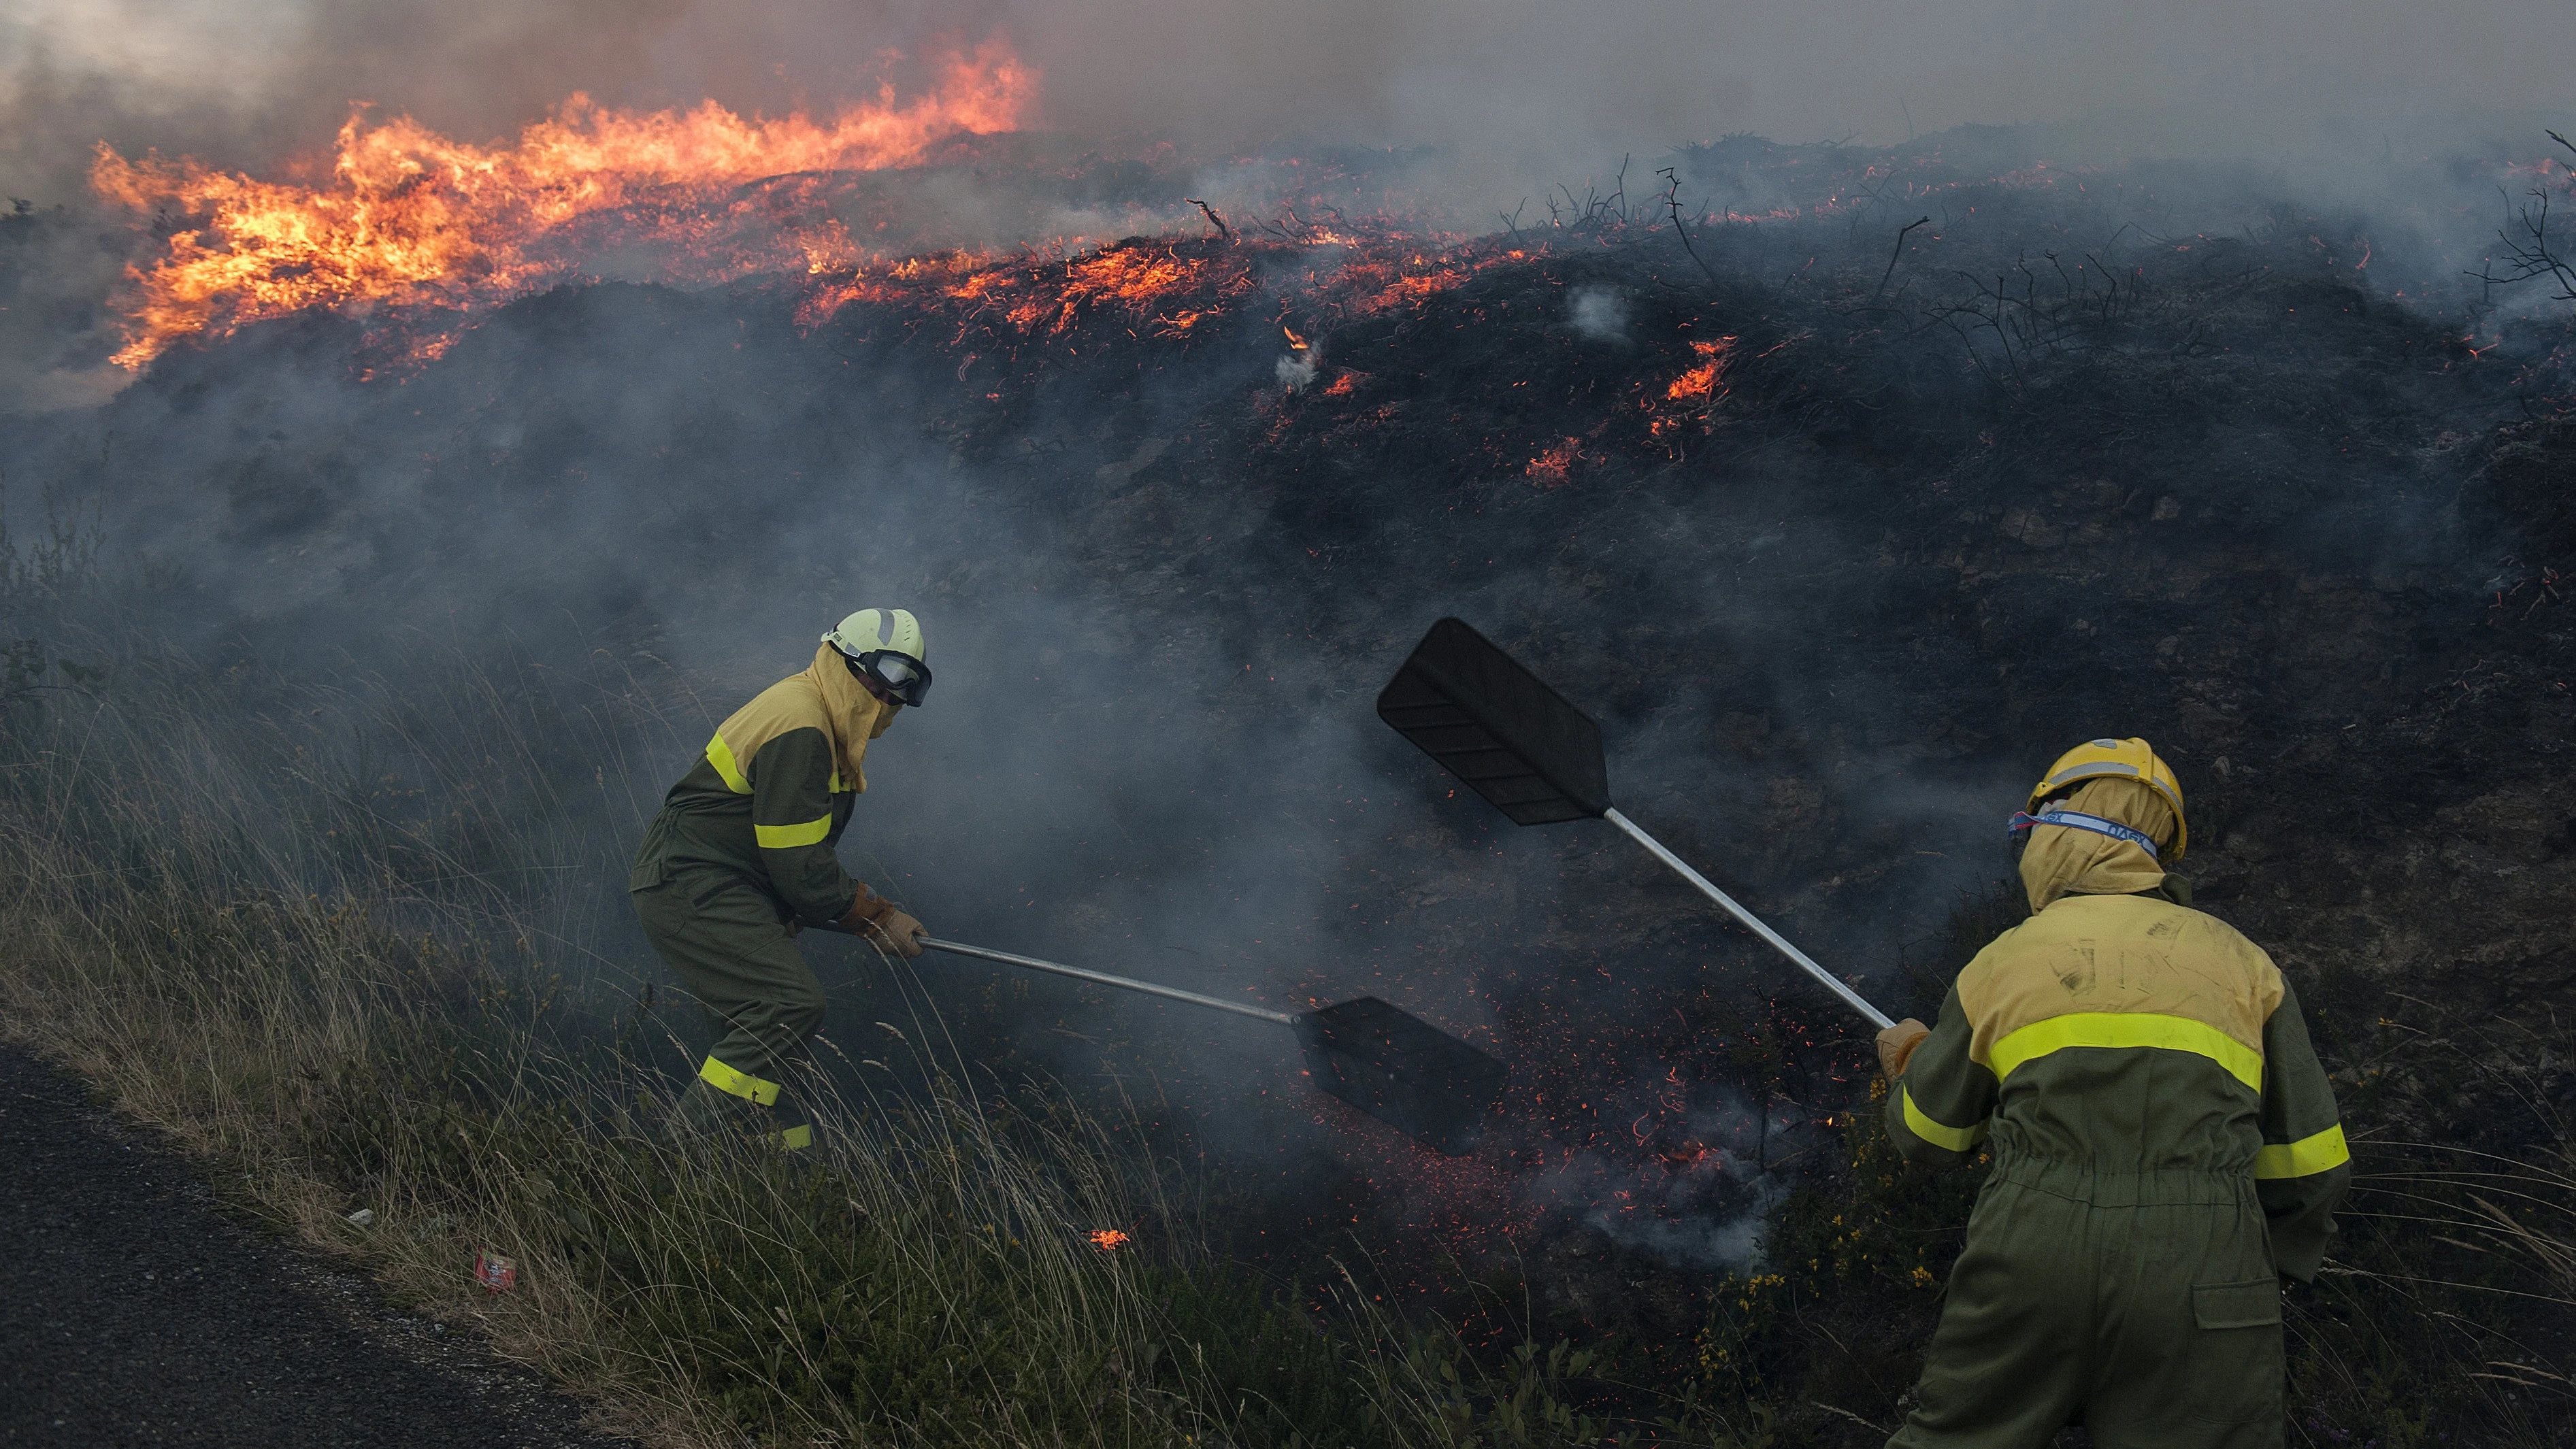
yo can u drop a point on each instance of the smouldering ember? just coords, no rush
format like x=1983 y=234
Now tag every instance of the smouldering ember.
x=407 y=217
x=1107 y=1240
x=1164 y=288
x=1152 y=289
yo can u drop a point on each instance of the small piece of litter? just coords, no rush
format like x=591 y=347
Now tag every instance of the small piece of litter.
x=495 y=1272
x=361 y=1218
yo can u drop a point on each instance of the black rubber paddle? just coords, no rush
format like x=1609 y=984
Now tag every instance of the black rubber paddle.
x=1389 y=1063
x=1510 y=738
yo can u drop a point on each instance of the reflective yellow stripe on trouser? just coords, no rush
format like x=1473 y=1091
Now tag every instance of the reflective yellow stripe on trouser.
x=753 y=1089
x=761 y=1093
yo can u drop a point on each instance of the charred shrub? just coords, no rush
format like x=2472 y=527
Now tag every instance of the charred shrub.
x=2528 y=486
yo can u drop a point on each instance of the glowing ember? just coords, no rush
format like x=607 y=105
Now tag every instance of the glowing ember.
x=410 y=217
x=1555 y=465
x=1107 y=1240
x=1155 y=288
x=1699 y=385
x=1691 y=395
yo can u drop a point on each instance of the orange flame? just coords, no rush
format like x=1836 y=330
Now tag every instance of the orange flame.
x=1107 y=1240
x=1700 y=383
x=1696 y=390
x=410 y=217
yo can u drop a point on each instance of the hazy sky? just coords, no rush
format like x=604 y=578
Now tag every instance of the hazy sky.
x=1529 y=82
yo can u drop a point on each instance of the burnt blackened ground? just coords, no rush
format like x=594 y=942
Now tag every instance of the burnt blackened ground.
x=2078 y=463
x=135 y=1313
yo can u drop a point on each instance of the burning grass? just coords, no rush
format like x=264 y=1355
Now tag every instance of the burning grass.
x=405 y=217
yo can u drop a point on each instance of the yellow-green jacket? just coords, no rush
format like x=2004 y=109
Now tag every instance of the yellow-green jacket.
x=2122 y=1038
x=767 y=800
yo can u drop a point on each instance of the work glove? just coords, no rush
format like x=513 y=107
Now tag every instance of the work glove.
x=898 y=933
x=1896 y=1046
x=876 y=919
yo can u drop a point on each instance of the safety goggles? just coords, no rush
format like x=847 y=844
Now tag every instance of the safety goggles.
x=2078 y=820
x=898 y=677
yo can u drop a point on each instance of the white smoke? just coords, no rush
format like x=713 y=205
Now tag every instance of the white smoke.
x=1298 y=368
x=1598 y=312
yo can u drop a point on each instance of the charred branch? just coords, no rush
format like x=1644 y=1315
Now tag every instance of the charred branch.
x=1595 y=212
x=1222 y=230
x=2530 y=254
x=1897 y=255
x=1672 y=199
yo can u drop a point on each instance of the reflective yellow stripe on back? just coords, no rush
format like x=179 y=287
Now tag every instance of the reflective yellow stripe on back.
x=1939 y=1134
x=720 y=755
x=2304 y=1158
x=2128 y=1029
x=787 y=837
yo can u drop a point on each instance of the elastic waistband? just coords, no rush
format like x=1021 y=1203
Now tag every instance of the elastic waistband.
x=2089 y=1183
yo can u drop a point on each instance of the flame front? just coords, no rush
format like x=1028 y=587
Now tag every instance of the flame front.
x=411 y=217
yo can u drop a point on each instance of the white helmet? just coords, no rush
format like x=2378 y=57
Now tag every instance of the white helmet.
x=884 y=646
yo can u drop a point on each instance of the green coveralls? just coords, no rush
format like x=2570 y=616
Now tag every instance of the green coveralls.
x=742 y=848
x=2166 y=1145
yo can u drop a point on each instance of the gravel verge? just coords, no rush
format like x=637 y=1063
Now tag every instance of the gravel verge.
x=134 y=1312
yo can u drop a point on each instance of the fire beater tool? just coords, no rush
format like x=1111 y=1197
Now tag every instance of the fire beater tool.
x=1509 y=737
x=1391 y=1064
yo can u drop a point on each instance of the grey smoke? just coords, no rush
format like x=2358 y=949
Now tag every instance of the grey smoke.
x=1515 y=92
x=1598 y=312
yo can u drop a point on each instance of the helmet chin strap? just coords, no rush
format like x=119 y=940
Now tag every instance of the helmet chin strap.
x=2078 y=820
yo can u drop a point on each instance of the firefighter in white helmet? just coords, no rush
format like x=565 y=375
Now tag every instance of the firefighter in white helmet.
x=741 y=857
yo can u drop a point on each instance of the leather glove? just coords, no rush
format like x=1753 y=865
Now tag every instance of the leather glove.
x=876 y=919
x=898 y=933
x=1896 y=1046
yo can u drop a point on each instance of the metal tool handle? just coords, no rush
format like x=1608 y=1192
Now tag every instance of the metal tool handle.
x=1103 y=978
x=1751 y=922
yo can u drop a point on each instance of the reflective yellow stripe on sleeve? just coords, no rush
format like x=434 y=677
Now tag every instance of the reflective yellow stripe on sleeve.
x=2304 y=1158
x=1939 y=1134
x=786 y=837
x=720 y=755
x=2128 y=1029
x=741 y=1084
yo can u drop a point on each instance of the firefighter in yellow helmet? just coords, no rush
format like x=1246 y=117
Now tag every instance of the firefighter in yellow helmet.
x=741 y=857
x=2166 y=1147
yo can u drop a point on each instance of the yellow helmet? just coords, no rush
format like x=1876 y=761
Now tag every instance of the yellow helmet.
x=2130 y=759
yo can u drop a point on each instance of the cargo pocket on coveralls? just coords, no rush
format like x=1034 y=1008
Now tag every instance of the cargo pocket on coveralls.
x=2236 y=1363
